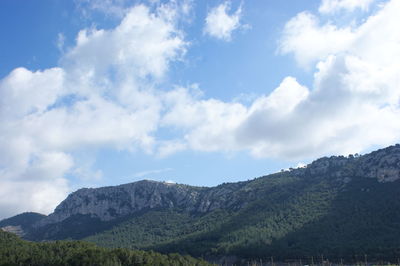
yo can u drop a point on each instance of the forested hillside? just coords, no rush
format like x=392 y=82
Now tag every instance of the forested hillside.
x=294 y=218
x=21 y=223
x=14 y=251
x=337 y=207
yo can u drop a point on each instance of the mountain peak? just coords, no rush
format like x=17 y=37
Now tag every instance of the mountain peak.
x=108 y=203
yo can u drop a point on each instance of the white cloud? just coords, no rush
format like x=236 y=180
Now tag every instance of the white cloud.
x=101 y=95
x=24 y=92
x=166 y=148
x=309 y=41
x=207 y=124
x=18 y=196
x=142 y=45
x=220 y=24
x=104 y=94
x=332 y=6
x=353 y=104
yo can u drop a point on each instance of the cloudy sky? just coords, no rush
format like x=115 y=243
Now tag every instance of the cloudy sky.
x=104 y=92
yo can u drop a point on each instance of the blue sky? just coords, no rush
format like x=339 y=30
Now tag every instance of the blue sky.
x=104 y=92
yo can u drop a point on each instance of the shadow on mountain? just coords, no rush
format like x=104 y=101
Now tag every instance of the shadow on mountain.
x=283 y=206
x=76 y=227
x=363 y=220
x=362 y=217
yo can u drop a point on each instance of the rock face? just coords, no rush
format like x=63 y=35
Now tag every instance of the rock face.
x=383 y=165
x=109 y=203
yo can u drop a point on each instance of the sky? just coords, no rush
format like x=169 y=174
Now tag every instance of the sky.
x=105 y=92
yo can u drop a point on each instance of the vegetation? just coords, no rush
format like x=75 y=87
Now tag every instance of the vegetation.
x=25 y=220
x=14 y=251
x=293 y=217
x=339 y=208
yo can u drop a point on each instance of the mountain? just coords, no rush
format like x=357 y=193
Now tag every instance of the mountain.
x=337 y=207
x=14 y=251
x=21 y=223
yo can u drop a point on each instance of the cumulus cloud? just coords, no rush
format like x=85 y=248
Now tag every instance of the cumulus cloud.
x=31 y=195
x=220 y=23
x=352 y=105
x=104 y=94
x=168 y=147
x=332 y=6
x=101 y=95
x=310 y=42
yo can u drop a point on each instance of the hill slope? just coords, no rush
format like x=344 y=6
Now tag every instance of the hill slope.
x=14 y=251
x=21 y=223
x=341 y=207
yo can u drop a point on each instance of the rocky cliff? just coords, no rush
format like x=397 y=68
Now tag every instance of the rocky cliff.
x=108 y=203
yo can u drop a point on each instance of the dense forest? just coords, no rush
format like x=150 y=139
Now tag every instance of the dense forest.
x=293 y=218
x=14 y=251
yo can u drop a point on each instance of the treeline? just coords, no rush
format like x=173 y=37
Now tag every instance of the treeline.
x=14 y=251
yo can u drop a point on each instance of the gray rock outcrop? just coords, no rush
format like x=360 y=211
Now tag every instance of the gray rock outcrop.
x=108 y=203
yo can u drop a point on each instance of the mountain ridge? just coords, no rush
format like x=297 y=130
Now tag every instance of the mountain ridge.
x=335 y=205
x=164 y=196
